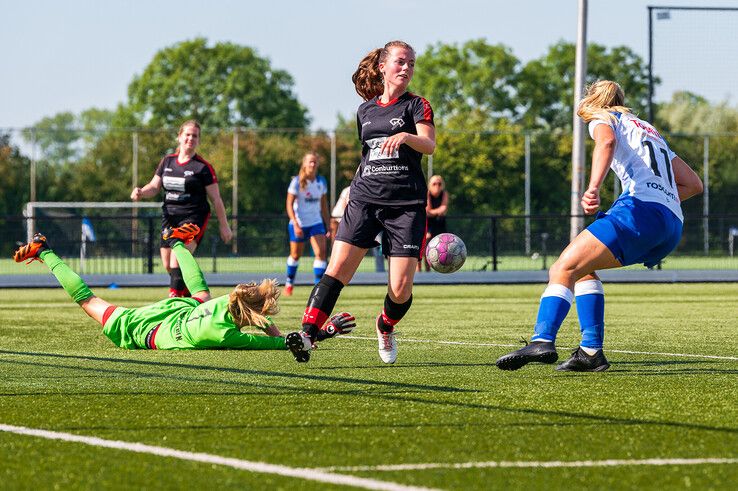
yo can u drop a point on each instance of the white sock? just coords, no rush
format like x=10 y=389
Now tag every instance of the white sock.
x=589 y=351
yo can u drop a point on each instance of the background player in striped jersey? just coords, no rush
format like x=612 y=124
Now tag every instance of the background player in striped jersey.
x=188 y=181
x=642 y=226
x=388 y=195
x=307 y=207
x=199 y=322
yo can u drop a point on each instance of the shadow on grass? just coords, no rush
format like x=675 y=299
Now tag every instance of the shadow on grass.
x=237 y=371
x=404 y=398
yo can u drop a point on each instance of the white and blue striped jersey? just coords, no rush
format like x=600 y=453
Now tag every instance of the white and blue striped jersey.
x=307 y=201
x=642 y=161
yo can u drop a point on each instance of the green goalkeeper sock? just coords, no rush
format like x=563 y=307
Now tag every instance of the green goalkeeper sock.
x=69 y=280
x=191 y=272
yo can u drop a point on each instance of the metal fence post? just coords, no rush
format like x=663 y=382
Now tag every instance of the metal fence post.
x=493 y=242
x=706 y=200
x=234 y=194
x=333 y=169
x=527 y=194
x=150 y=245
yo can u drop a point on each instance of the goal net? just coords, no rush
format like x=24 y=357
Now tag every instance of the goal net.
x=103 y=235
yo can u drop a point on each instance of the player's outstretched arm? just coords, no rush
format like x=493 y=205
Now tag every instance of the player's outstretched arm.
x=191 y=272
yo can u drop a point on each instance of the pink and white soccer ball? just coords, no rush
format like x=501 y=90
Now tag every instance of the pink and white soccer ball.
x=446 y=253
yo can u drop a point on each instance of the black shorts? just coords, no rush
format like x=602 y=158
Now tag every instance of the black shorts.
x=174 y=221
x=403 y=227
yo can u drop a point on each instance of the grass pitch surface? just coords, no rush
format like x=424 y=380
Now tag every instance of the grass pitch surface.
x=348 y=414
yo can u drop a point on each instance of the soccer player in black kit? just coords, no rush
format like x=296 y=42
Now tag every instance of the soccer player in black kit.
x=188 y=181
x=388 y=195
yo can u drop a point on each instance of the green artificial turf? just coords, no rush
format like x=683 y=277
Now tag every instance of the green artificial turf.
x=440 y=403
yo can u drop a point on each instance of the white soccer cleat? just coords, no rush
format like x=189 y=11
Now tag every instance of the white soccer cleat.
x=387 y=345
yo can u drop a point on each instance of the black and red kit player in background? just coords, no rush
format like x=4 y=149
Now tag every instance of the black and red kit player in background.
x=388 y=195
x=188 y=181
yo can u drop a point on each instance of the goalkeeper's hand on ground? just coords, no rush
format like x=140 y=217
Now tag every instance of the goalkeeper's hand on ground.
x=186 y=233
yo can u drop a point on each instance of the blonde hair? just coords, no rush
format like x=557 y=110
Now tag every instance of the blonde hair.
x=367 y=78
x=302 y=175
x=250 y=303
x=602 y=99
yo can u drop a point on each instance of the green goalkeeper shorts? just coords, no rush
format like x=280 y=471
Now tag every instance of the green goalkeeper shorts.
x=134 y=328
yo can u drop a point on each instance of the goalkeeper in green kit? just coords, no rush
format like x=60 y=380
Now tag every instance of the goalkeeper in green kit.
x=197 y=322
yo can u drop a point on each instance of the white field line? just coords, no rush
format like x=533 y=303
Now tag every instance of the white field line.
x=499 y=345
x=246 y=465
x=521 y=464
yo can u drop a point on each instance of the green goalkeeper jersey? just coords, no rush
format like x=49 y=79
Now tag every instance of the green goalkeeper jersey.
x=183 y=323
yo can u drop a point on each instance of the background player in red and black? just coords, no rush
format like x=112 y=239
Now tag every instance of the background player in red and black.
x=436 y=210
x=388 y=195
x=188 y=181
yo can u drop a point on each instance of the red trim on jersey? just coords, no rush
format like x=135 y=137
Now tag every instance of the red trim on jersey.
x=427 y=112
x=209 y=165
x=199 y=236
x=382 y=104
x=199 y=299
x=108 y=312
x=314 y=316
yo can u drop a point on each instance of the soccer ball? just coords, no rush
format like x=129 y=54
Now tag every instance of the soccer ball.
x=445 y=253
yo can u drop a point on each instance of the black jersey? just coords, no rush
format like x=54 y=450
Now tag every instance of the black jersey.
x=184 y=184
x=390 y=179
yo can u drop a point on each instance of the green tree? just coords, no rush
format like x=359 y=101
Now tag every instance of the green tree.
x=473 y=76
x=545 y=86
x=222 y=86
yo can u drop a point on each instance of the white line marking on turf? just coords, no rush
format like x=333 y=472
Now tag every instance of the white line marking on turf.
x=499 y=345
x=247 y=465
x=544 y=464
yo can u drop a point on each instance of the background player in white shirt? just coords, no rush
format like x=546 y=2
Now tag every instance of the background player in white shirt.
x=643 y=226
x=307 y=207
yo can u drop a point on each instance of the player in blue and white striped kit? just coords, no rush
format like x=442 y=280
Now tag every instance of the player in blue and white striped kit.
x=307 y=207
x=643 y=226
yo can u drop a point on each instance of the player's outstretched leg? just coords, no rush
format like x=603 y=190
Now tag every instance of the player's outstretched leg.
x=39 y=249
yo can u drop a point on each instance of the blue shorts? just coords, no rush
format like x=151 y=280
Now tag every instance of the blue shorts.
x=638 y=231
x=307 y=232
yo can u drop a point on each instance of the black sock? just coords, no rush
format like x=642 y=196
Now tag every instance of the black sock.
x=320 y=304
x=393 y=313
x=176 y=281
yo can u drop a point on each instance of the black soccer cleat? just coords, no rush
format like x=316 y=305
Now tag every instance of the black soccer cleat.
x=300 y=345
x=31 y=250
x=582 y=362
x=535 y=352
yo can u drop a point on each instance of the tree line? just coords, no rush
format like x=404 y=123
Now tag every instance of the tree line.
x=485 y=100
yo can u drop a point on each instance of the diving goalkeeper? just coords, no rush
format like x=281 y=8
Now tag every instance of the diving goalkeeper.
x=197 y=322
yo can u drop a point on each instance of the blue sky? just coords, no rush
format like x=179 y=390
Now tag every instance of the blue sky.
x=77 y=54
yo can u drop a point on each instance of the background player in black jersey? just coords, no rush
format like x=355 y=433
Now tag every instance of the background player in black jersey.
x=436 y=209
x=188 y=181
x=388 y=195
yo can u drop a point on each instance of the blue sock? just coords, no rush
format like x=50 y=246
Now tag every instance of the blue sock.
x=591 y=311
x=555 y=304
x=319 y=269
x=291 y=269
